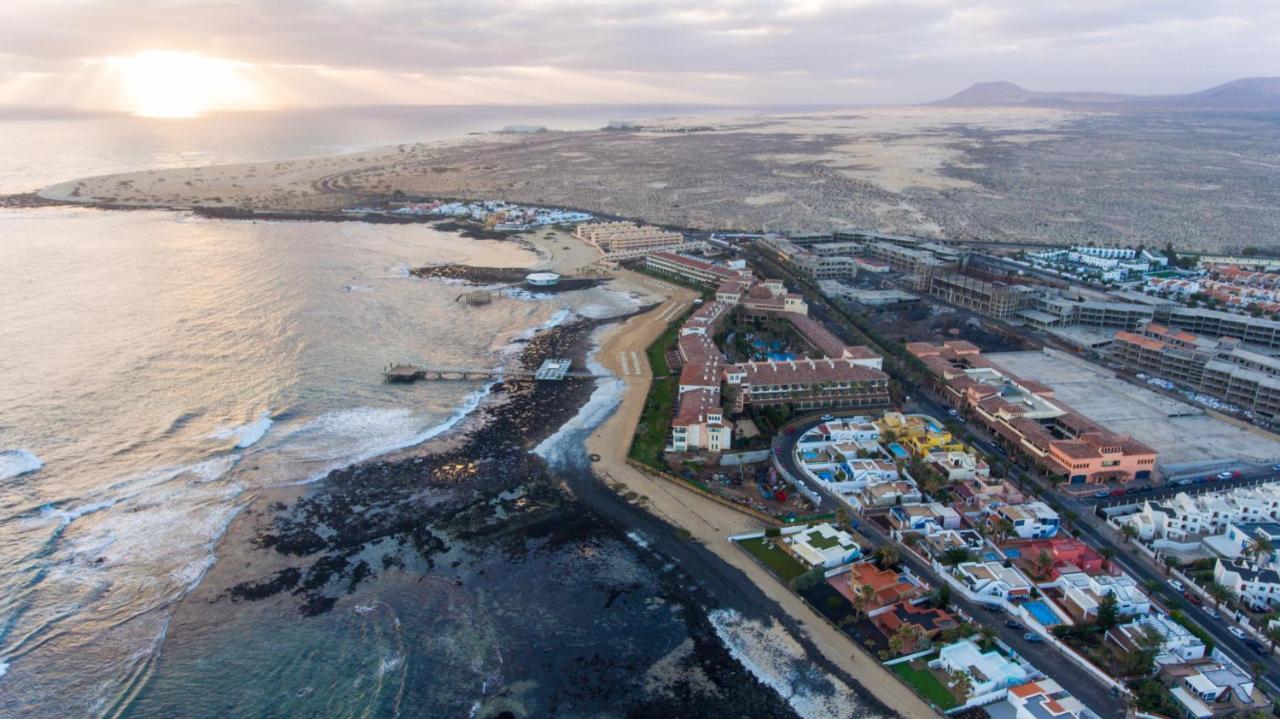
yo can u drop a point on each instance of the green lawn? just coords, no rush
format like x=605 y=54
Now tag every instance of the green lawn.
x=924 y=681
x=654 y=428
x=778 y=561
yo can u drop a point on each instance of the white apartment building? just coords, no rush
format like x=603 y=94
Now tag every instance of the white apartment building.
x=1183 y=516
x=1255 y=585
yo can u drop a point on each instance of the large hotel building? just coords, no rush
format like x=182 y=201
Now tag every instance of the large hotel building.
x=622 y=240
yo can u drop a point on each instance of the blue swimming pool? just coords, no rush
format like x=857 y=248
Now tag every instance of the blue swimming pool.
x=1042 y=613
x=898 y=450
x=1012 y=553
x=933 y=426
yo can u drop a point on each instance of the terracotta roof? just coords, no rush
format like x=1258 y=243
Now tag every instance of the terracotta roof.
x=1075 y=449
x=817 y=335
x=702 y=375
x=807 y=372
x=694 y=405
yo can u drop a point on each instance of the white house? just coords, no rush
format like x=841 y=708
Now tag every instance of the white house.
x=993 y=579
x=1082 y=594
x=846 y=429
x=1257 y=586
x=822 y=545
x=988 y=671
x=957 y=466
x=1180 y=645
x=920 y=517
x=1032 y=520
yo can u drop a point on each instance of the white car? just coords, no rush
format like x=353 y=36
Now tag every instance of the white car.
x=1178 y=585
x=1237 y=632
x=1212 y=613
x=1224 y=475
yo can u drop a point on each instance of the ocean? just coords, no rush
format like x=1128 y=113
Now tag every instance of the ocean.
x=162 y=373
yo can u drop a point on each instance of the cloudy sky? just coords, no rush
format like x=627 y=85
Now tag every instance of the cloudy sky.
x=126 y=55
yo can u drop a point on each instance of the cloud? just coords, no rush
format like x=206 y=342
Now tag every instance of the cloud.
x=740 y=51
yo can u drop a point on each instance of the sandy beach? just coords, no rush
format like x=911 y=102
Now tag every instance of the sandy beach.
x=709 y=522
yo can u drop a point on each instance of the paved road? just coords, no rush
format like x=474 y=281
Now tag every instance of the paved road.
x=1043 y=656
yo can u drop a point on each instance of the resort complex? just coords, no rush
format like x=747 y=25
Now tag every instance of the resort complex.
x=1027 y=417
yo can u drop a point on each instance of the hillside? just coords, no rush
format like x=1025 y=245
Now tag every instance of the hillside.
x=1250 y=93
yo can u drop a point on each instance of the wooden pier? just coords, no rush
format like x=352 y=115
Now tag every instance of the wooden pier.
x=551 y=370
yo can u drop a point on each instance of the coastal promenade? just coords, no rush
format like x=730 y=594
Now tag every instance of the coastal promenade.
x=711 y=523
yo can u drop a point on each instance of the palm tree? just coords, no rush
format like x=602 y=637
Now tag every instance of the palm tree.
x=1219 y=593
x=1044 y=563
x=862 y=599
x=961 y=682
x=887 y=555
x=1129 y=531
x=986 y=635
x=1107 y=554
x=1273 y=636
x=1261 y=550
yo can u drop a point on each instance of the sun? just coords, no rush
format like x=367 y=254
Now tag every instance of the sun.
x=180 y=84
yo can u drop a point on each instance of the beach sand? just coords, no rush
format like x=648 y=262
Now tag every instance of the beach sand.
x=709 y=522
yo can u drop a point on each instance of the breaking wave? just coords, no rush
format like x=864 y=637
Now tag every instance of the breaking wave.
x=246 y=435
x=17 y=462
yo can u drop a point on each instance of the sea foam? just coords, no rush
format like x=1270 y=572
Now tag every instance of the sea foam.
x=17 y=462
x=557 y=449
x=246 y=435
x=774 y=657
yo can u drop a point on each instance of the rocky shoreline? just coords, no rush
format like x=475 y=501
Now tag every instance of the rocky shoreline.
x=613 y=603
x=501 y=275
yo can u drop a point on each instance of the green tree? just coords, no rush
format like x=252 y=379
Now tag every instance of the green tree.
x=887 y=555
x=1219 y=593
x=1044 y=564
x=1141 y=659
x=955 y=556
x=862 y=599
x=1108 y=614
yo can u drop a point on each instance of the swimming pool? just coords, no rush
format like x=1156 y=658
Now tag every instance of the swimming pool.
x=933 y=426
x=1013 y=552
x=898 y=450
x=1042 y=613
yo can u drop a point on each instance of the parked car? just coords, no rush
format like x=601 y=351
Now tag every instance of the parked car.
x=993 y=608
x=1224 y=475
x=1192 y=597
x=1033 y=637
x=953 y=413
x=827 y=417
x=1116 y=493
x=1183 y=482
x=1212 y=613
x=1238 y=633
x=1014 y=624
x=1257 y=646
x=1275 y=468
x=1102 y=495
x=1182 y=588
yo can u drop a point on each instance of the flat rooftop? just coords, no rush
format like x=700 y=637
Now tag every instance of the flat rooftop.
x=1180 y=432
